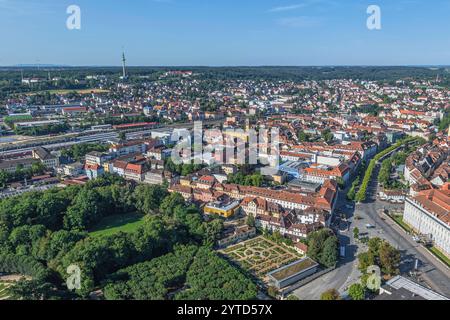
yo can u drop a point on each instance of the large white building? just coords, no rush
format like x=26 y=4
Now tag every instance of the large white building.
x=428 y=213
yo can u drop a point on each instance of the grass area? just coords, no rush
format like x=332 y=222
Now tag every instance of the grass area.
x=440 y=255
x=399 y=220
x=67 y=91
x=118 y=223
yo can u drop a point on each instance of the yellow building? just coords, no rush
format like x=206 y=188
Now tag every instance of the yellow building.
x=185 y=181
x=106 y=167
x=224 y=210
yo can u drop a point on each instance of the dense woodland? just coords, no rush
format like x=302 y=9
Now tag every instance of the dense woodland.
x=42 y=233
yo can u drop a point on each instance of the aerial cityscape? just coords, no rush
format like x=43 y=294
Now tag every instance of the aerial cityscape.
x=223 y=179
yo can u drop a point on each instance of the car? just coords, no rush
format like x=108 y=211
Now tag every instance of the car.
x=369 y=226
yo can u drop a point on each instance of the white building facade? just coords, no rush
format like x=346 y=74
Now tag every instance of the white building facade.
x=426 y=222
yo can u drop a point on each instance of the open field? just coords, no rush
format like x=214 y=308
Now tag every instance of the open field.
x=260 y=255
x=118 y=223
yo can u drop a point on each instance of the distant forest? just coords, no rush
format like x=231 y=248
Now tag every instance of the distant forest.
x=272 y=72
x=10 y=77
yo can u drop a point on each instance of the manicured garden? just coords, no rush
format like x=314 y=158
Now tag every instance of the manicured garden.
x=260 y=255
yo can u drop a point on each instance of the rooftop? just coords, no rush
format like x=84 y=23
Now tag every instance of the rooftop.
x=401 y=288
x=293 y=269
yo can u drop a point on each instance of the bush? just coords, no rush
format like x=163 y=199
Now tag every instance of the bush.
x=331 y=294
x=357 y=292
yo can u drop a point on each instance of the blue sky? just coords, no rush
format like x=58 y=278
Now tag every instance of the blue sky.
x=225 y=32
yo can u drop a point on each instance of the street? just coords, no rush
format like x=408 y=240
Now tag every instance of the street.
x=431 y=272
x=347 y=271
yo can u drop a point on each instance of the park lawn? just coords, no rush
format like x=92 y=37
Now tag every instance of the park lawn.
x=440 y=255
x=127 y=223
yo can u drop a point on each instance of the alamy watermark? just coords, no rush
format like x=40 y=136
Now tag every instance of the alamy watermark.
x=74 y=280
x=374 y=20
x=73 y=22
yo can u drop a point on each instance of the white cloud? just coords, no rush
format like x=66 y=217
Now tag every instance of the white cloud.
x=303 y=4
x=299 y=22
x=288 y=8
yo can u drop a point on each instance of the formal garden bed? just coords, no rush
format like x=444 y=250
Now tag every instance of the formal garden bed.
x=260 y=255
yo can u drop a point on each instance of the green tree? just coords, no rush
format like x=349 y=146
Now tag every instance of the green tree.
x=356 y=233
x=357 y=292
x=4 y=179
x=251 y=220
x=31 y=290
x=331 y=294
x=213 y=231
x=365 y=260
x=122 y=136
x=148 y=198
x=303 y=137
x=323 y=247
x=171 y=202
x=84 y=212
x=211 y=277
x=389 y=259
x=329 y=255
x=327 y=135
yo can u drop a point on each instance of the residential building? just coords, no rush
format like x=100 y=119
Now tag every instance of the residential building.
x=93 y=171
x=122 y=149
x=95 y=157
x=49 y=160
x=234 y=234
x=11 y=166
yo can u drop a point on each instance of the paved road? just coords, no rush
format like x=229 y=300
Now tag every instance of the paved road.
x=433 y=274
x=347 y=271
